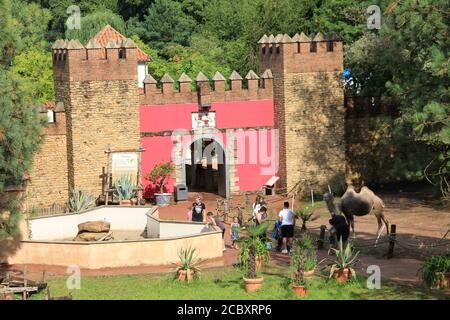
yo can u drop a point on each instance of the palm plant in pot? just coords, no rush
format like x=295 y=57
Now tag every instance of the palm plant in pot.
x=305 y=214
x=159 y=176
x=251 y=249
x=435 y=272
x=124 y=189
x=298 y=283
x=189 y=265
x=305 y=246
x=342 y=265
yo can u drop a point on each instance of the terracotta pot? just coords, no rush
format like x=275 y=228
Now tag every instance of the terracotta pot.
x=309 y=274
x=134 y=202
x=442 y=283
x=300 y=291
x=125 y=202
x=253 y=284
x=7 y=296
x=184 y=276
x=342 y=275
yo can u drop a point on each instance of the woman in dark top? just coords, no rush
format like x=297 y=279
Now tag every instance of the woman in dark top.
x=340 y=229
x=198 y=210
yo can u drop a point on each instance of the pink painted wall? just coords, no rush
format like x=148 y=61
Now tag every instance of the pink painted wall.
x=254 y=167
x=256 y=160
x=236 y=114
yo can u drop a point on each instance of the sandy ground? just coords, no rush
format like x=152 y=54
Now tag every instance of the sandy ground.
x=421 y=224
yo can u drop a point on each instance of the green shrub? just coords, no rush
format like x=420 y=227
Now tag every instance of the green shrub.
x=436 y=264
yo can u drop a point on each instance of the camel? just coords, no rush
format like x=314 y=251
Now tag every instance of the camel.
x=359 y=204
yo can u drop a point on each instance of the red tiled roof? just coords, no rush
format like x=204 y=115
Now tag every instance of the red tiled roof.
x=109 y=33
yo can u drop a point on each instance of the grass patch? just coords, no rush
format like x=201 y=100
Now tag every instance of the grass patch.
x=226 y=283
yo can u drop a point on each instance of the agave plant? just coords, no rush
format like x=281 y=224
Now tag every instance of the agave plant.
x=346 y=258
x=80 y=200
x=124 y=188
x=251 y=247
x=189 y=262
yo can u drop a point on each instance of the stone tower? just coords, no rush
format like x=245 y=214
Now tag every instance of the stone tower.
x=309 y=108
x=98 y=87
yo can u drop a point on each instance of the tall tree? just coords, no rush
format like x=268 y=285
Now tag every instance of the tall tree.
x=31 y=24
x=34 y=69
x=408 y=61
x=92 y=23
x=165 y=24
x=20 y=128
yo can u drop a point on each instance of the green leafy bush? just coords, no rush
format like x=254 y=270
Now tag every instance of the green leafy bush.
x=160 y=175
x=434 y=267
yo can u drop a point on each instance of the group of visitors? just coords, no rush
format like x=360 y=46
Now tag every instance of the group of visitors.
x=283 y=229
x=284 y=225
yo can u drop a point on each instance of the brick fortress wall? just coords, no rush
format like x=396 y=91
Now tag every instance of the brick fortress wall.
x=99 y=89
x=48 y=176
x=309 y=108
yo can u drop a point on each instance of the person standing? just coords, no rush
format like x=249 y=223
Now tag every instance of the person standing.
x=287 y=219
x=215 y=221
x=261 y=217
x=198 y=210
x=234 y=232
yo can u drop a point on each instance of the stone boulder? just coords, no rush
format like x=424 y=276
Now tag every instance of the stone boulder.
x=94 y=227
x=91 y=236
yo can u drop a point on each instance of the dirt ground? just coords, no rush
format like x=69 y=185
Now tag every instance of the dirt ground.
x=421 y=225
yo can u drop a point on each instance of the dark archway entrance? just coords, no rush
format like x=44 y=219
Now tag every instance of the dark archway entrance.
x=205 y=167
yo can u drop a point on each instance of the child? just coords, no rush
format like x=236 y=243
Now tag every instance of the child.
x=234 y=232
x=189 y=213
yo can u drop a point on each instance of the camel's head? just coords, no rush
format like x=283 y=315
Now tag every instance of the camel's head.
x=327 y=197
x=329 y=200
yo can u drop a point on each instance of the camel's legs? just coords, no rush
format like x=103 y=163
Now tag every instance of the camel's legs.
x=386 y=223
x=380 y=229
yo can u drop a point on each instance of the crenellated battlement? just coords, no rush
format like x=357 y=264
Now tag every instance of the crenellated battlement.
x=74 y=62
x=207 y=90
x=301 y=54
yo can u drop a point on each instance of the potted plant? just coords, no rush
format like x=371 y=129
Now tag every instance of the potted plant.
x=435 y=272
x=250 y=248
x=188 y=267
x=80 y=201
x=342 y=265
x=124 y=189
x=159 y=176
x=298 y=282
x=305 y=213
x=305 y=245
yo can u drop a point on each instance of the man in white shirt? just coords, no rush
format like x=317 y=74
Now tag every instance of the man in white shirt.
x=287 y=219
